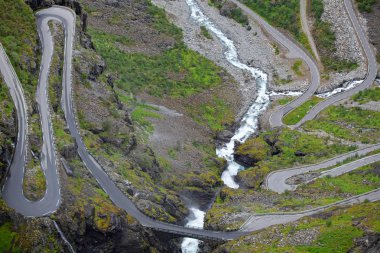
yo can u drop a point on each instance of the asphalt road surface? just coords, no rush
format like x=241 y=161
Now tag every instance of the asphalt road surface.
x=276 y=180
x=13 y=190
x=294 y=51
x=13 y=187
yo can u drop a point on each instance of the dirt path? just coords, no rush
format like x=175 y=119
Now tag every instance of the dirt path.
x=306 y=28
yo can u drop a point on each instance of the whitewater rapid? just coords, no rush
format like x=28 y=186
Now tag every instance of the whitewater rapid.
x=196 y=219
x=249 y=122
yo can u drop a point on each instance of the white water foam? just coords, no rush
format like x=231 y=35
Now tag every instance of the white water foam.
x=196 y=219
x=285 y=93
x=249 y=123
x=346 y=86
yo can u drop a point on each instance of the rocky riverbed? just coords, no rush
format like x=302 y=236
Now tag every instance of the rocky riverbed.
x=254 y=47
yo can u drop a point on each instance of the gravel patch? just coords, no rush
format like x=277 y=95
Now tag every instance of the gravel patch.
x=347 y=44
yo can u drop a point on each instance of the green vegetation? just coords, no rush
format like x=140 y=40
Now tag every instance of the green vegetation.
x=365 y=5
x=161 y=23
x=325 y=41
x=177 y=72
x=205 y=33
x=6 y=103
x=329 y=190
x=367 y=95
x=18 y=35
x=215 y=114
x=276 y=49
x=297 y=114
x=34 y=183
x=351 y=182
x=231 y=11
x=285 y=100
x=282 y=13
x=336 y=231
x=7 y=242
x=297 y=67
x=288 y=148
x=141 y=114
x=195 y=181
x=354 y=124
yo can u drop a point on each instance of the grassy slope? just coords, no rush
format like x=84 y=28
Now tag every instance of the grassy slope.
x=177 y=72
x=140 y=72
x=18 y=35
x=354 y=124
x=335 y=231
x=284 y=14
x=367 y=95
x=297 y=114
x=283 y=154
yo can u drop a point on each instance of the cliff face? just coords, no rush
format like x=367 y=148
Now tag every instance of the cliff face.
x=87 y=217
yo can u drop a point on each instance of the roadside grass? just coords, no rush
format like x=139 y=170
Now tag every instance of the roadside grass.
x=356 y=182
x=82 y=186
x=285 y=100
x=297 y=114
x=367 y=95
x=283 y=14
x=325 y=41
x=336 y=230
x=6 y=102
x=354 y=124
x=18 y=33
x=297 y=67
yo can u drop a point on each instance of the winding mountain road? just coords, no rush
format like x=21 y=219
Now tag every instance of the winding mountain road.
x=13 y=187
x=295 y=51
x=276 y=180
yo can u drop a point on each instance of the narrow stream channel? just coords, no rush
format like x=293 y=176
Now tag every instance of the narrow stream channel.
x=196 y=218
x=248 y=124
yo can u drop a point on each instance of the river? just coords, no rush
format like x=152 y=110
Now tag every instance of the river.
x=248 y=124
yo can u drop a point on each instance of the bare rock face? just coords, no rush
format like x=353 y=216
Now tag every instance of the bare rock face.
x=369 y=244
x=96 y=70
x=69 y=151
